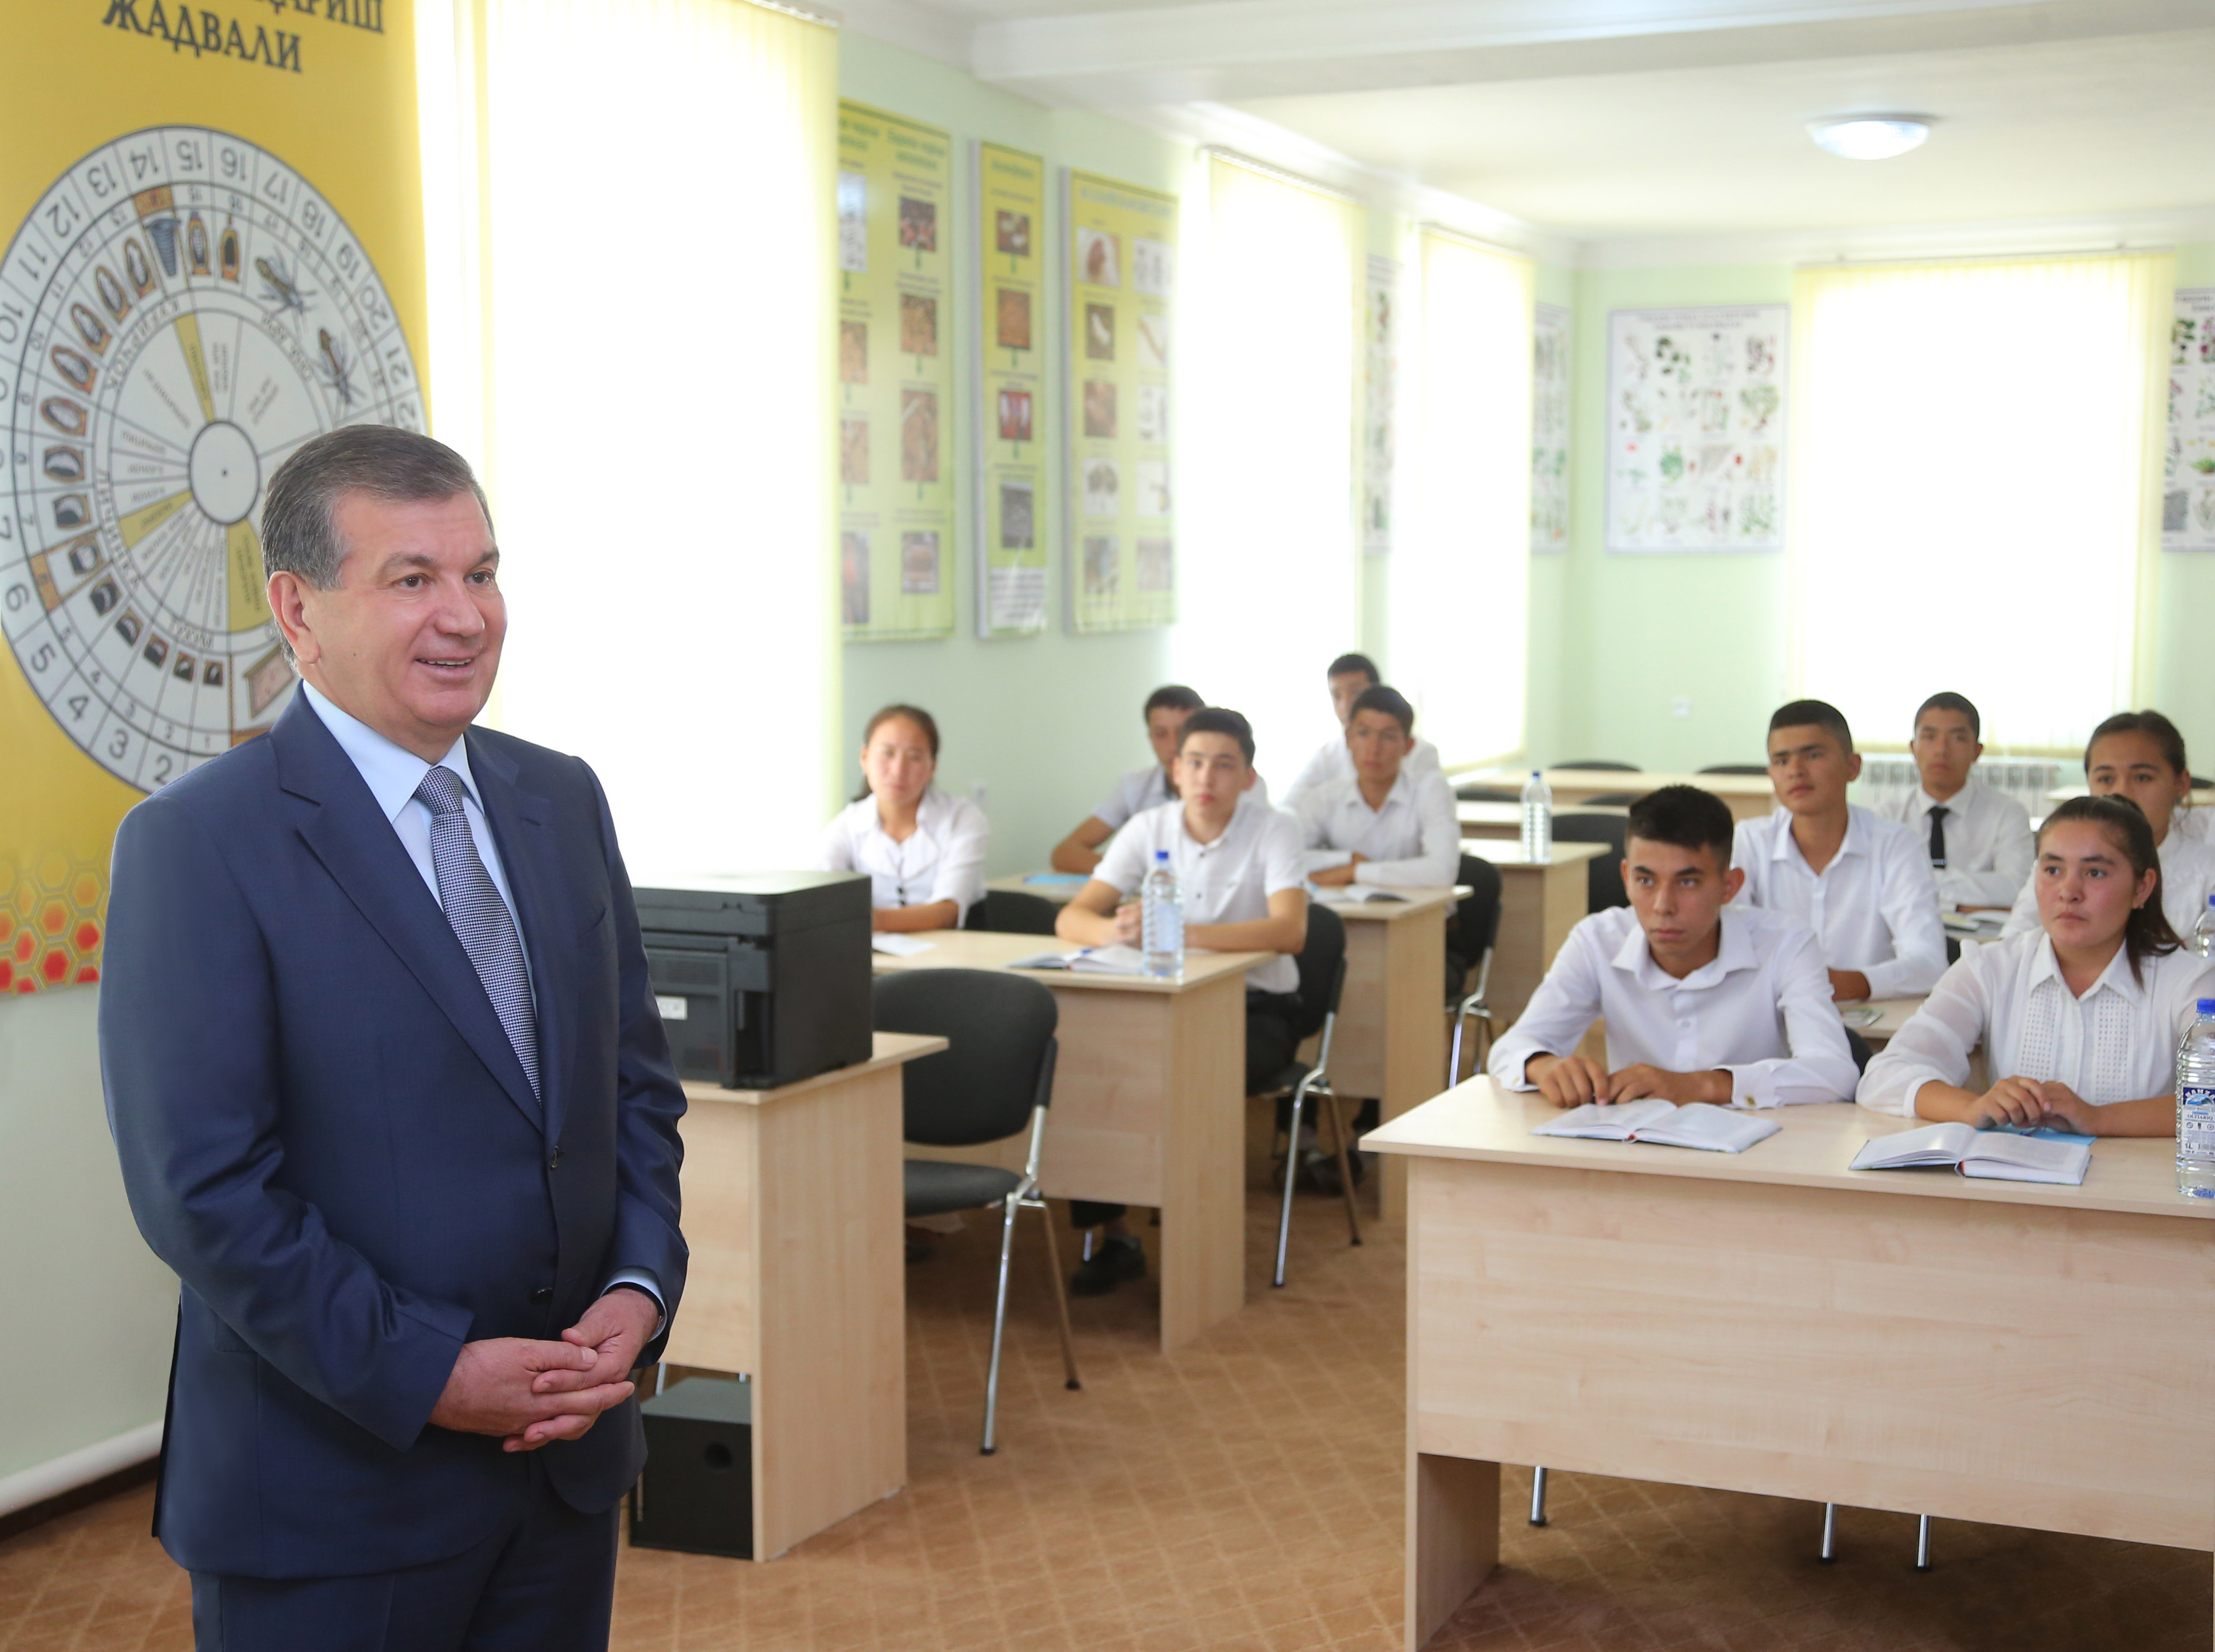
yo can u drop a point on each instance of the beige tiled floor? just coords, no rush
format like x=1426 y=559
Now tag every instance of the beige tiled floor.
x=1246 y=1494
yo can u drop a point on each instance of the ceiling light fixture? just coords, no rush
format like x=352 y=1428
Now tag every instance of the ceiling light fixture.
x=1870 y=137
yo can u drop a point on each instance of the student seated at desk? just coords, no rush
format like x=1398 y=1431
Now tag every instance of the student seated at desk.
x=1703 y=1000
x=1861 y=884
x=1979 y=840
x=2140 y=755
x=923 y=851
x=1385 y=824
x=1142 y=788
x=1243 y=881
x=2079 y=1018
x=1349 y=676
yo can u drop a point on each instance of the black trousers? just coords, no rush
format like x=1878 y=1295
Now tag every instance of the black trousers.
x=1272 y=1040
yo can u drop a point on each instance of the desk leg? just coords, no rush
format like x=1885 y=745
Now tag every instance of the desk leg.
x=1453 y=1537
x=1203 y=1241
x=1414 y=1039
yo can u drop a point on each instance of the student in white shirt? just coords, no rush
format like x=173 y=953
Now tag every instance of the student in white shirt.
x=1243 y=880
x=1978 y=840
x=1703 y=1000
x=923 y=851
x=1383 y=825
x=2078 y=1019
x=1861 y=884
x=1349 y=676
x=2140 y=755
x=1142 y=788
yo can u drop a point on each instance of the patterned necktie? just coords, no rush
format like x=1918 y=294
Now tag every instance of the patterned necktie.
x=480 y=919
x=1938 y=813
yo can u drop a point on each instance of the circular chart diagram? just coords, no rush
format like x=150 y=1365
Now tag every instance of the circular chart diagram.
x=178 y=313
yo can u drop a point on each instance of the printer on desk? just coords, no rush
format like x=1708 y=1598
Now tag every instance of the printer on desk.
x=762 y=980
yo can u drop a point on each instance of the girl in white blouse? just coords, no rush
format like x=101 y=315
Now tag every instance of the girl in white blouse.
x=2079 y=1018
x=923 y=851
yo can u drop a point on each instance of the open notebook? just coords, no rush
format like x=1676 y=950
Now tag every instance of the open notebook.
x=1696 y=1124
x=1089 y=960
x=2040 y=1156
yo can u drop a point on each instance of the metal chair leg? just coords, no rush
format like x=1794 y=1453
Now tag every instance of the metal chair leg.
x=1291 y=1173
x=999 y=1324
x=1537 y=1496
x=1922 y=1543
x=1828 y=1554
x=1453 y=1061
x=1061 y=1298
x=1339 y=1138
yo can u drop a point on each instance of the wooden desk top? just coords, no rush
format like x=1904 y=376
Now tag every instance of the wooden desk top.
x=890 y=1050
x=1479 y=1120
x=1019 y=883
x=1508 y=856
x=1617 y=779
x=1413 y=901
x=981 y=949
x=1895 y=1013
x=1474 y=813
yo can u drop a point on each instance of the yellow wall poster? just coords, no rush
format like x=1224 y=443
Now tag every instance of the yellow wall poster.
x=1011 y=516
x=895 y=376
x=213 y=222
x=1121 y=249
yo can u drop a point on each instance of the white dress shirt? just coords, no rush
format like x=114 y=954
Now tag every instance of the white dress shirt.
x=1149 y=788
x=2117 y=1043
x=1333 y=762
x=2190 y=820
x=2188 y=879
x=1874 y=907
x=942 y=859
x=1760 y=1010
x=1412 y=843
x=1988 y=846
x=1228 y=881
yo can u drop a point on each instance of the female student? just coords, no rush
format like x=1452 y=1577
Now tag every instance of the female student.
x=2079 y=1018
x=923 y=851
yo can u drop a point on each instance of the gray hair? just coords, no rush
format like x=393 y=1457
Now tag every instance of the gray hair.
x=387 y=463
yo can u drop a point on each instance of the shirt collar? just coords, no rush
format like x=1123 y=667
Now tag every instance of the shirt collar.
x=1786 y=846
x=390 y=771
x=1735 y=952
x=2115 y=978
x=1401 y=787
x=1956 y=806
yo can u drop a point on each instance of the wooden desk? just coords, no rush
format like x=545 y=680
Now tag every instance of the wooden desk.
x=1148 y=1108
x=792 y=1209
x=1539 y=904
x=1774 y=1322
x=1059 y=894
x=1493 y=821
x=1749 y=796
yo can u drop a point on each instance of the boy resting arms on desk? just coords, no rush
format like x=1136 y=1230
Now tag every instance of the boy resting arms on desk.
x=1704 y=1001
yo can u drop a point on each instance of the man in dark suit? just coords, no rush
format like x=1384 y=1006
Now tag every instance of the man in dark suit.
x=392 y=1098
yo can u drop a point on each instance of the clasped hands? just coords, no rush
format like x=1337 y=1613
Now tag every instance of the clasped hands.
x=531 y=1393
x=2031 y=1104
x=1573 y=1080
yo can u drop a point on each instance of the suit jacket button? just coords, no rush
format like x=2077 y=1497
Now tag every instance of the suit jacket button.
x=542 y=1295
x=554 y=1163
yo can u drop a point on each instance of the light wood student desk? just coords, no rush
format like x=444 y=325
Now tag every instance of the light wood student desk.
x=1149 y=1108
x=1505 y=820
x=1539 y=903
x=1749 y=796
x=1773 y=1323
x=792 y=1209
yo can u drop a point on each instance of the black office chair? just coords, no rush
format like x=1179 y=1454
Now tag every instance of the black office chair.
x=1322 y=978
x=1476 y=931
x=1473 y=793
x=1595 y=762
x=1735 y=769
x=1011 y=912
x=1603 y=872
x=996 y=1076
x=1611 y=800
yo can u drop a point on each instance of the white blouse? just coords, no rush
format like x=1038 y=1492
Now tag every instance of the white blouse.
x=944 y=858
x=2188 y=879
x=2117 y=1043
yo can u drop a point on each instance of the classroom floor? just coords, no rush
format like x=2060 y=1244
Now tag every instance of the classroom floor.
x=1243 y=1495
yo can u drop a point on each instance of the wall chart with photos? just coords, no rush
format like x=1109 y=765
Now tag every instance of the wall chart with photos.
x=1549 y=430
x=2188 y=472
x=1382 y=293
x=895 y=376
x=1014 y=524
x=1695 y=405
x=1122 y=279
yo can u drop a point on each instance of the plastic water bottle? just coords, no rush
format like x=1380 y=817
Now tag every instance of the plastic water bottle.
x=2195 y=1106
x=2202 y=938
x=1537 y=819
x=1161 y=907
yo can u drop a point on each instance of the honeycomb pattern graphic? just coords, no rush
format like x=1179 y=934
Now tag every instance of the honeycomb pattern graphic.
x=53 y=914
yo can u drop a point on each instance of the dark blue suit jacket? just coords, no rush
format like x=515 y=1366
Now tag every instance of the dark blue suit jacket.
x=325 y=1132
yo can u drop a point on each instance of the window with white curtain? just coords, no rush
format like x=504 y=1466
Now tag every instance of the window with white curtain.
x=1975 y=488
x=1462 y=555
x=1270 y=324
x=631 y=238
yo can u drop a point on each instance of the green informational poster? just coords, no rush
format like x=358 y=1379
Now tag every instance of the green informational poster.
x=895 y=376
x=1121 y=247
x=1014 y=526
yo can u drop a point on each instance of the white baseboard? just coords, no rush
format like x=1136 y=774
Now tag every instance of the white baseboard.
x=44 y=1480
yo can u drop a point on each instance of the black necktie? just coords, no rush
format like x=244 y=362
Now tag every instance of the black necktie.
x=1938 y=813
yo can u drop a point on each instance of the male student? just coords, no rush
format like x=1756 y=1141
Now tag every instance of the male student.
x=1703 y=1000
x=1979 y=841
x=1349 y=676
x=1385 y=824
x=1243 y=878
x=1146 y=786
x=1863 y=884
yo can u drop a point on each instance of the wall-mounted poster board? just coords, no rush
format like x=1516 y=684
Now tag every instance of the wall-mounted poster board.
x=895 y=376
x=1695 y=405
x=1381 y=309
x=1011 y=325
x=1120 y=248
x=1549 y=430
x=2187 y=486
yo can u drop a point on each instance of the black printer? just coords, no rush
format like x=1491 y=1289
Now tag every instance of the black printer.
x=762 y=980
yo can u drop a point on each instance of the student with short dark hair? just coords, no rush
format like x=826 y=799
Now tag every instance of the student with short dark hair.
x=1383 y=825
x=923 y=850
x=1703 y=1000
x=1350 y=675
x=1861 y=883
x=1978 y=840
x=1147 y=787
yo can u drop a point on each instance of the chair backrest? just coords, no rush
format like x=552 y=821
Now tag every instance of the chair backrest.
x=1859 y=1049
x=1603 y=872
x=1595 y=762
x=1735 y=769
x=1477 y=917
x=1473 y=793
x=999 y=1061
x=1611 y=799
x=1011 y=912
x=1323 y=968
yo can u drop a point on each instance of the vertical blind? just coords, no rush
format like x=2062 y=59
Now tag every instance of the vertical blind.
x=1975 y=488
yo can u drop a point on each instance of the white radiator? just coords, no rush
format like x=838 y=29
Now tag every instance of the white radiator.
x=1888 y=778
